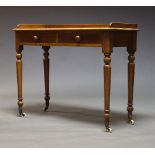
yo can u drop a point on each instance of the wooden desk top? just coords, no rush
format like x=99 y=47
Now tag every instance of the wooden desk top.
x=111 y=26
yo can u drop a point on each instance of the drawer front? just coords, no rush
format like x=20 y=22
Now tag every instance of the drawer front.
x=60 y=38
x=79 y=37
x=36 y=37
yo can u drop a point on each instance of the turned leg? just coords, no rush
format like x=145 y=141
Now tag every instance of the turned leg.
x=131 y=72
x=19 y=79
x=46 y=75
x=107 y=83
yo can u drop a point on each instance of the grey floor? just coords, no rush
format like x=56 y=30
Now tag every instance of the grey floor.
x=74 y=122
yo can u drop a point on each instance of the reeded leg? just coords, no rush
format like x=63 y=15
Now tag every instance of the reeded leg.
x=107 y=83
x=19 y=79
x=131 y=72
x=46 y=75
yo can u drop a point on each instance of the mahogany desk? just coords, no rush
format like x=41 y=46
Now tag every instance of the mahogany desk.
x=105 y=36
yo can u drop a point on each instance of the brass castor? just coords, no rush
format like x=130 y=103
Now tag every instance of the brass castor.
x=21 y=115
x=45 y=109
x=131 y=122
x=46 y=103
x=108 y=130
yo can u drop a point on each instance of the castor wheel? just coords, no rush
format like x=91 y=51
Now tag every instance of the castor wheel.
x=131 y=122
x=45 y=109
x=108 y=130
x=21 y=115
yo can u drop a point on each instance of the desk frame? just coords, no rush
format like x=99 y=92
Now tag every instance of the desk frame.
x=107 y=36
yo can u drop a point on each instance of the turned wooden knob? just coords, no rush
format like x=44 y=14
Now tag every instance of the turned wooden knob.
x=35 y=38
x=77 y=38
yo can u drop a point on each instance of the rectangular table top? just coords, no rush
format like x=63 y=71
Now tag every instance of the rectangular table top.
x=63 y=27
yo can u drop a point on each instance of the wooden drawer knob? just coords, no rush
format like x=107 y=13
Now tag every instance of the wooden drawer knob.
x=77 y=38
x=35 y=38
